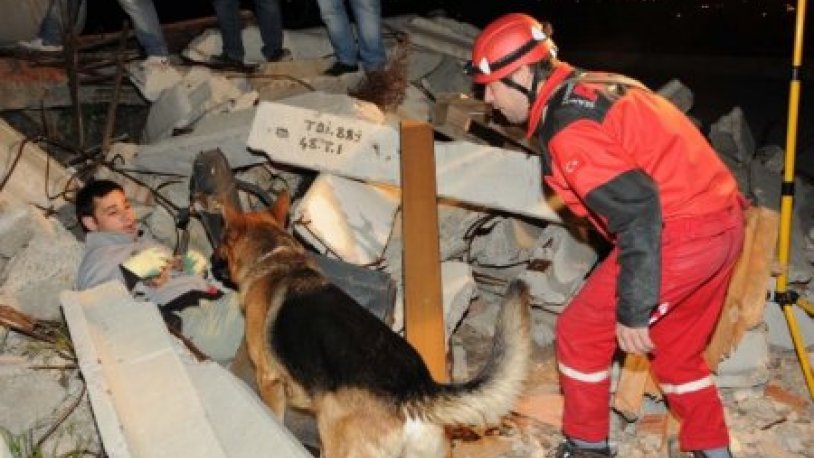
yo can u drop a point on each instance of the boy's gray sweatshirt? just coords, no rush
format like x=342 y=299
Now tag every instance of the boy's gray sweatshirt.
x=106 y=251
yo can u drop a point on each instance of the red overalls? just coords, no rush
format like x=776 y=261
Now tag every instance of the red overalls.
x=608 y=132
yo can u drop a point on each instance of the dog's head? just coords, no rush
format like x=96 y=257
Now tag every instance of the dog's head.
x=249 y=236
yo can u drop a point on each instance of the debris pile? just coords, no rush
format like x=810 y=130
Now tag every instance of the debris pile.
x=289 y=127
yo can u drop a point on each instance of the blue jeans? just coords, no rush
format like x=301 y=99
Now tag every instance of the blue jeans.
x=147 y=26
x=142 y=14
x=51 y=30
x=368 y=15
x=269 y=21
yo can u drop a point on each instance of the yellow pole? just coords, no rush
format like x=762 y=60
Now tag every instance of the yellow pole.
x=783 y=296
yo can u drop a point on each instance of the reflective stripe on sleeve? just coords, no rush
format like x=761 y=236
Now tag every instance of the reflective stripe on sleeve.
x=592 y=377
x=689 y=387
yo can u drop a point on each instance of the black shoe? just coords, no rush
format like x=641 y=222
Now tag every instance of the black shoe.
x=279 y=56
x=338 y=68
x=224 y=62
x=569 y=449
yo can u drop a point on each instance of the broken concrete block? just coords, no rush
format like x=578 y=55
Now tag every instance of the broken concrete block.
x=227 y=131
x=345 y=218
x=773 y=157
x=569 y=260
x=676 y=92
x=147 y=401
x=18 y=224
x=363 y=150
x=442 y=35
x=748 y=364
x=27 y=182
x=504 y=242
x=35 y=275
x=731 y=136
x=152 y=80
x=458 y=289
x=199 y=94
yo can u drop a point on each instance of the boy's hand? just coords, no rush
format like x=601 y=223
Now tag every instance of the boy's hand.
x=162 y=278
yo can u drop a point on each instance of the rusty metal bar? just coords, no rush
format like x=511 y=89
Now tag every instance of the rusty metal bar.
x=110 y=120
x=423 y=305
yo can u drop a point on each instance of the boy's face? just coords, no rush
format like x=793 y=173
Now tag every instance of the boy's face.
x=112 y=213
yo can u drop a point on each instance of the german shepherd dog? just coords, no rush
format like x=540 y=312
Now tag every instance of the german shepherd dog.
x=315 y=348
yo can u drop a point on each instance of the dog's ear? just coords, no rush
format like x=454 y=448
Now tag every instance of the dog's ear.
x=279 y=211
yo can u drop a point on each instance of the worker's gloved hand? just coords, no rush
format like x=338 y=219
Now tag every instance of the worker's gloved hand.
x=634 y=340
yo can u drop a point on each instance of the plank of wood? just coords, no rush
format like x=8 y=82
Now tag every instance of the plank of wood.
x=746 y=295
x=631 y=388
x=423 y=306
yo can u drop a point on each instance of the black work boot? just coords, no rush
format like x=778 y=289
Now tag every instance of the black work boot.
x=338 y=68
x=569 y=449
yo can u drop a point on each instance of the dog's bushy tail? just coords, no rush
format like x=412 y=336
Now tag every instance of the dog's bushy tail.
x=493 y=392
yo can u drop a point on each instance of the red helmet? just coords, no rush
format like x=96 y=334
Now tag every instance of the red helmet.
x=507 y=43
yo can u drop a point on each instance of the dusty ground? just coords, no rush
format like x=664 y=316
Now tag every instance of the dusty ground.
x=775 y=420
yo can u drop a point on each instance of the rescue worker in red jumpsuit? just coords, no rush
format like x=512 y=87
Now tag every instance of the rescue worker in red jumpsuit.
x=642 y=173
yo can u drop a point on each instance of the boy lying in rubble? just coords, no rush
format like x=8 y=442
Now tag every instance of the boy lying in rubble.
x=114 y=245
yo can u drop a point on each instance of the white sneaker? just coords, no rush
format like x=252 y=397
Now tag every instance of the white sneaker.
x=39 y=46
x=156 y=62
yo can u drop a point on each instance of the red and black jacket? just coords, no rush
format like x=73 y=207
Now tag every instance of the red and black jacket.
x=630 y=162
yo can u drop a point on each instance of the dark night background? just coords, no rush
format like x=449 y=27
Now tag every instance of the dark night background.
x=729 y=52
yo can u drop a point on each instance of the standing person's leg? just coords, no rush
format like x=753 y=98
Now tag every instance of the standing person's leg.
x=231 y=26
x=270 y=23
x=147 y=26
x=585 y=343
x=51 y=31
x=337 y=23
x=368 y=15
x=696 y=273
x=51 y=25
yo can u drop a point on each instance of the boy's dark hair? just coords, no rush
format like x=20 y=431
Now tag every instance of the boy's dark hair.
x=95 y=189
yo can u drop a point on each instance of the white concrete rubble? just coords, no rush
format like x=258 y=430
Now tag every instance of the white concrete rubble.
x=442 y=35
x=458 y=289
x=200 y=93
x=153 y=80
x=150 y=400
x=38 y=271
x=509 y=241
x=570 y=261
x=345 y=218
x=227 y=131
x=748 y=363
x=28 y=180
x=319 y=140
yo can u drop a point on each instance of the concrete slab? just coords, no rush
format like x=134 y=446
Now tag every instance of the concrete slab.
x=147 y=401
x=227 y=131
x=476 y=174
x=28 y=180
x=346 y=218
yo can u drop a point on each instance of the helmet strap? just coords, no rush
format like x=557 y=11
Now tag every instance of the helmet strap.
x=530 y=94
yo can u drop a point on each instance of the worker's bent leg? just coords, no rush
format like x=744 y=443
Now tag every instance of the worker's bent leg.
x=697 y=266
x=585 y=342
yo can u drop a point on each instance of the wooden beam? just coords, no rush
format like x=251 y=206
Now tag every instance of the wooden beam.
x=423 y=306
